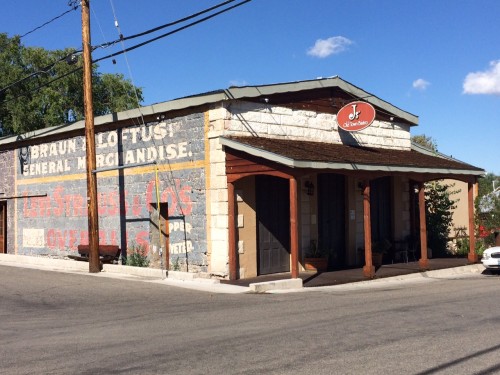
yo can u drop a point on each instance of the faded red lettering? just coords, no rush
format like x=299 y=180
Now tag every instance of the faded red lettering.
x=59 y=209
x=72 y=239
x=136 y=206
x=142 y=239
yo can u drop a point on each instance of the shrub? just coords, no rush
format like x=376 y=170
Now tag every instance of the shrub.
x=439 y=216
x=175 y=265
x=462 y=246
x=137 y=256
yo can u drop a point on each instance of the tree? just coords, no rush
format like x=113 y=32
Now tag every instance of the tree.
x=41 y=88
x=439 y=205
x=425 y=141
x=488 y=209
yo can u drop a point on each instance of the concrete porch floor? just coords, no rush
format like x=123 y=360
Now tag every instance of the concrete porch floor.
x=314 y=279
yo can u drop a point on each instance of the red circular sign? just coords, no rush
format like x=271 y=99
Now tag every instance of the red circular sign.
x=355 y=116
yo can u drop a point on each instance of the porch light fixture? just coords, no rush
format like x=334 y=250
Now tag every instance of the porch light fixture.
x=309 y=188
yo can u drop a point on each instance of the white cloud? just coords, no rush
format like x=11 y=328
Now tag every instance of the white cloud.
x=331 y=46
x=421 y=84
x=486 y=82
x=236 y=82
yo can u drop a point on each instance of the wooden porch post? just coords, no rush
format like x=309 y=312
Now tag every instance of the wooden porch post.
x=368 y=269
x=473 y=257
x=232 y=231
x=423 y=261
x=294 y=234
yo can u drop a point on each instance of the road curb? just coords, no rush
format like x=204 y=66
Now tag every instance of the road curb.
x=411 y=277
x=50 y=263
x=276 y=285
x=203 y=282
x=78 y=266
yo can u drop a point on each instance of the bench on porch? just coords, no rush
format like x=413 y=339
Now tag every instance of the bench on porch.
x=107 y=253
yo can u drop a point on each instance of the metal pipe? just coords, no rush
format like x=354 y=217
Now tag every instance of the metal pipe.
x=24 y=196
x=122 y=167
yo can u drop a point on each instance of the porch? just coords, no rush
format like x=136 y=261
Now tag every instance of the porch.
x=353 y=275
x=372 y=200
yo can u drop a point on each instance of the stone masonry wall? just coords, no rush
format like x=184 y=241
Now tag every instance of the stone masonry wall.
x=278 y=122
x=54 y=225
x=218 y=230
x=7 y=160
x=254 y=119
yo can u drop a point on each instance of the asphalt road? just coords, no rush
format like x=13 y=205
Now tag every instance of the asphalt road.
x=57 y=323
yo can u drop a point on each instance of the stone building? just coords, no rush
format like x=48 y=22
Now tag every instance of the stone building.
x=235 y=183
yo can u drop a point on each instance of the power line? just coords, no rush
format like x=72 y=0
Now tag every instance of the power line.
x=171 y=32
x=74 y=6
x=165 y=25
x=117 y=53
x=121 y=39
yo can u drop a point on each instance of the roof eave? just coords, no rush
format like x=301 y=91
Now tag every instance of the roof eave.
x=232 y=93
x=292 y=163
x=257 y=91
x=173 y=105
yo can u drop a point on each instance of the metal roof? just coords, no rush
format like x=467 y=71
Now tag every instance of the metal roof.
x=231 y=93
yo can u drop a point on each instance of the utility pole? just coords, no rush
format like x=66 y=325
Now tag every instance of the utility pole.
x=93 y=218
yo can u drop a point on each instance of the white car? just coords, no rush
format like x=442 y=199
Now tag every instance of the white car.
x=491 y=258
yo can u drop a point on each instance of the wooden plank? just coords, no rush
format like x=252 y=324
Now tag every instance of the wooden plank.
x=368 y=269
x=232 y=232
x=472 y=256
x=294 y=232
x=423 y=261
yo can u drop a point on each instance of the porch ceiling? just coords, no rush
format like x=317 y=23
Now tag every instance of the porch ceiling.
x=316 y=155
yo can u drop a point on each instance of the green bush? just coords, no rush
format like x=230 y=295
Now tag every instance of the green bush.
x=463 y=247
x=439 y=204
x=137 y=256
x=175 y=265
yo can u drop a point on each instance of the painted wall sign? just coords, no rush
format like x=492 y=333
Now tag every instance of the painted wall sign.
x=355 y=116
x=57 y=224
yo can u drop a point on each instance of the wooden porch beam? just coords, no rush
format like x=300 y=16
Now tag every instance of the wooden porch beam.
x=232 y=231
x=472 y=257
x=368 y=269
x=294 y=233
x=423 y=261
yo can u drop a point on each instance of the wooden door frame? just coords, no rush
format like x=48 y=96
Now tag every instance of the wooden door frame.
x=240 y=165
x=283 y=218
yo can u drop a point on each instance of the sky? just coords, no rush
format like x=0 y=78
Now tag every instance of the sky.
x=437 y=59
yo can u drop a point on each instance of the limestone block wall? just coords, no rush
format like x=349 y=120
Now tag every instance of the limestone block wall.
x=217 y=204
x=241 y=118
x=127 y=199
x=247 y=119
x=7 y=166
x=253 y=119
